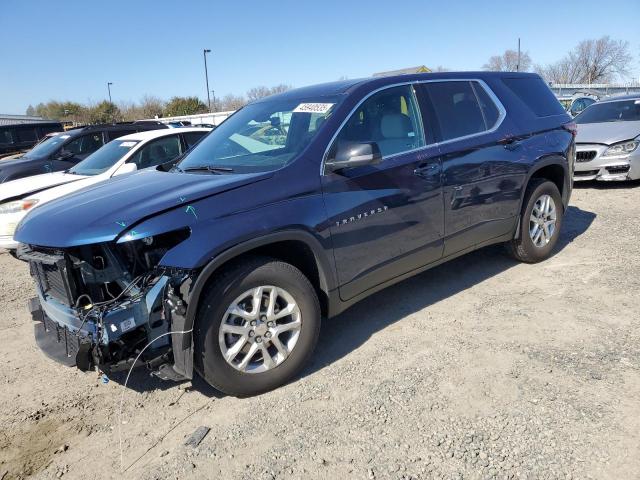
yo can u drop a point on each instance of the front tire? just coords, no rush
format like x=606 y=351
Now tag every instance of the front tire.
x=256 y=327
x=540 y=222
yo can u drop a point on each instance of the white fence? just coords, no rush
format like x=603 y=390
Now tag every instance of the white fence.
x=215 y=118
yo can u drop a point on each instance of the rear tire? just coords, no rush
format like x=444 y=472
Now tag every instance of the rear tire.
x=540 y=222
x=245 y=346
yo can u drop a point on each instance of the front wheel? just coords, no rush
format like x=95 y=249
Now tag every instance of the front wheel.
x=256 y=327
x=540 y=223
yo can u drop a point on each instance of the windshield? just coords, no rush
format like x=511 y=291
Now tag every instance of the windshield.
x=47 y=147
x=621 y=111
x=262 y=136
x=104 y=158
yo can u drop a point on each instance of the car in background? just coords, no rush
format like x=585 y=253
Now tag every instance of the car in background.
x=63 y=151
x=23 y=136
x=608 y=139
x=123 y=155
x=581 y=100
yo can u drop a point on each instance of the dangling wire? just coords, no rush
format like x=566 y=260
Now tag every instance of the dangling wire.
x=181 y=332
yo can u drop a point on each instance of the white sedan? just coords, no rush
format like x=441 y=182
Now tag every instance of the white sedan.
x=123 y=155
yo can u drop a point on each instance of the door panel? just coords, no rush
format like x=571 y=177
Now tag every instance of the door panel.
x=387 y=219
x=481 y=186
x=481 y=179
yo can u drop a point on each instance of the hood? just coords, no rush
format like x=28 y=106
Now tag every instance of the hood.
x=23 y=187
x=102 y=212
x=607 y=133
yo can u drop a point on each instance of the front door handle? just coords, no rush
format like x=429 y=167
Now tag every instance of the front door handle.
x=427 y=171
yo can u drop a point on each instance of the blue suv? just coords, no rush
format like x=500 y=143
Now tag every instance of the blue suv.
x=295 y=208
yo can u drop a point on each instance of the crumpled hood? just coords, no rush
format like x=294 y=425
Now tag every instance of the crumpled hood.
x=22 y=187
x=103 y=211
x=607 y=133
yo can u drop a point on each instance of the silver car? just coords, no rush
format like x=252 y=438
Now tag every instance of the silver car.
x=608 y=139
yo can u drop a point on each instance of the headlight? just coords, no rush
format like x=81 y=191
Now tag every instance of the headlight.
x=18 y=206
x=621 y=149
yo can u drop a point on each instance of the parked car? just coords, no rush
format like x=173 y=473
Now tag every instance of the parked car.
x=21 y=137
x=608 y=138
x=123 y=155
x=64 y=150
x=226 y=264
x=581 y=99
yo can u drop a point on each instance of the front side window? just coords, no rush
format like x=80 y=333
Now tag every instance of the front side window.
x=84 y=145
x=262 y=136
x=620 y=111
x=104 y=158
x=191 y=138
x=157 y=152
x=461 y=108
x=389 y=118
x=27 y=134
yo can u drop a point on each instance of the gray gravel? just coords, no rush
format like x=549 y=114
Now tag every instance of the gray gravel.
x=479 y=369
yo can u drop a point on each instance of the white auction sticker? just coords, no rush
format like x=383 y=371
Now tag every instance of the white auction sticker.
x=313 y=108
x=127 y=325
x=127 y=144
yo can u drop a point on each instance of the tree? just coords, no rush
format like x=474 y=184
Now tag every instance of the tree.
x=232 y=102
x=257 y=93
x=151 y=106
x=591 y=61
x=508 y=62
x=103 y=112
x=184 y=106
x=30 y=110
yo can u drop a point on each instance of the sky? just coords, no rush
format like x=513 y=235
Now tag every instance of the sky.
x=69 y=50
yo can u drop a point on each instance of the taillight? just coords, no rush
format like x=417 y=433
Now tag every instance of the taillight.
x=571 y=127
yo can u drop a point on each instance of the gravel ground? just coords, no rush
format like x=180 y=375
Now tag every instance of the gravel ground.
x=480 y=368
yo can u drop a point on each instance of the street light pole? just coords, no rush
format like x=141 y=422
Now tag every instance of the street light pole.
x=109 y=89
x=206 y=75
x=518 y=65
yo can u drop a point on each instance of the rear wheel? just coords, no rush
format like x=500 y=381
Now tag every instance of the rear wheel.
x=256 y=327
x=540 y=222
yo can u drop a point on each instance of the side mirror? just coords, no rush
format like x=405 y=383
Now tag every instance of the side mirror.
x=126 y=168
x=348 y=155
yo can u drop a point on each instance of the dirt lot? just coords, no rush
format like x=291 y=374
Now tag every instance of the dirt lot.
x=480 y=368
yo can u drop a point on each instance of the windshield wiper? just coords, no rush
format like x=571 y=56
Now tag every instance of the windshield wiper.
x=207 y=168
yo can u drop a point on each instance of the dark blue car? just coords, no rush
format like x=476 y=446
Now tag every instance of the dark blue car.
x=292 y=210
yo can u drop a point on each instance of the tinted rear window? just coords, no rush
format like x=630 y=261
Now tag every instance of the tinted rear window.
x=536 y=95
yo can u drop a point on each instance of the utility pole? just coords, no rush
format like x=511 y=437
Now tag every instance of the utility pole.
x=109 y=89
x=518 y=65
x=213 y=98
x=206 y=75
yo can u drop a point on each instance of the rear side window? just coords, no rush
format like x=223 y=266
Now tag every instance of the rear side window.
x=462 y=108
x=6 y=137
x=536 y=95
x=191 y=138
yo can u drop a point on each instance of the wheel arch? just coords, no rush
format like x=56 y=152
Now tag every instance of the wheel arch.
x=299 y=248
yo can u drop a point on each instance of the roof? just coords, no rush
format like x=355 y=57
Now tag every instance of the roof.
x=151 y=134
x=618 y=98
x=403 y=71
x=344 y=86
x=6 y=119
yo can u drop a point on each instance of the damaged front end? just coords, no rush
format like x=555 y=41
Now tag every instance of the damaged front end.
x=100 y=305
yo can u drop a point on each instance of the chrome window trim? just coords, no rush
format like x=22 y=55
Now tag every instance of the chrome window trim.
x=502 y=114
